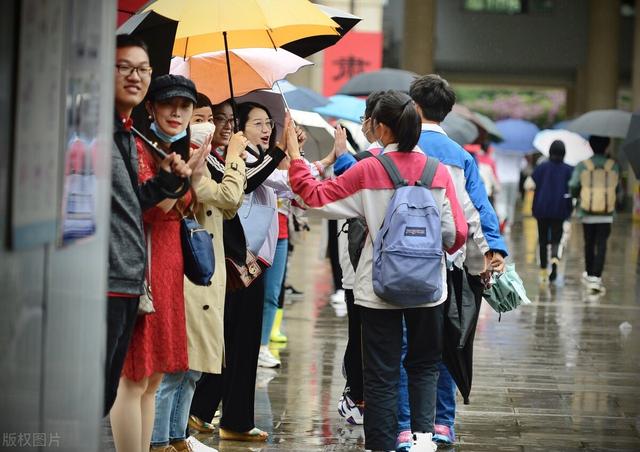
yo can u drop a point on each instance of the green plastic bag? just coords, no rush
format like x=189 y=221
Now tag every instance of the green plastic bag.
x=507 y=291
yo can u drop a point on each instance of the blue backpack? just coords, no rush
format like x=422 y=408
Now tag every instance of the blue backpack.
x=407 y=252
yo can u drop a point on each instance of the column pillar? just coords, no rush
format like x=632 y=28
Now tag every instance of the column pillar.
x=635 y=64
x=602 y=54
x=419 y=36
x=634 y=184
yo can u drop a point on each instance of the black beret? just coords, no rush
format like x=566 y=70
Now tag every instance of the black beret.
x=169 y=86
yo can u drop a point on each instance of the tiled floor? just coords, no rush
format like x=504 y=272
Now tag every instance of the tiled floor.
x=557 y=375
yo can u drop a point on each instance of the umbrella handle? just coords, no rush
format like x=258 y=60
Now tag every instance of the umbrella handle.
x=163 y=155
x=259 y=155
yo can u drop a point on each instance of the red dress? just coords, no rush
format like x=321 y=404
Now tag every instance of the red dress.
x=159 y=342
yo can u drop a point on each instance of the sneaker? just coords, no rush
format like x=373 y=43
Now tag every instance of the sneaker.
x=404 y=441
x=337 y=297
x=423 y=442
x=266 y=359
x=290 y=291
x=351 y=411
x=585 y=277
x=444 y=434
x=554 y=269
x=166 y=448
x=594 y=284
x=197 y=446
x=544 y=276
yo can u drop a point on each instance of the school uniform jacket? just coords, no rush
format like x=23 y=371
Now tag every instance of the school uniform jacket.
x=365 y=191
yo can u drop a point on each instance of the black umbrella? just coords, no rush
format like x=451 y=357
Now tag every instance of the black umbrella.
x=461 y=311
x=308 y=46
x=459 y=129
x=631 y=144
x=381 y=80
x=158 y=32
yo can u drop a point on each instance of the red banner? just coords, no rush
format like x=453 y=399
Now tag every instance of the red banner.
x=355 y=53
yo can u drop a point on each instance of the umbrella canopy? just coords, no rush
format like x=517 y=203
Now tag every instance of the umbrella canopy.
x=300 y=98
x=507 y=291
x=158 y=33
x=383 y=79
x=308 y=46
x=488 y=125
x=343 y=107
x=517 y=135
x=251 y=69
x=631 y=144
x=320 y=135
x=459 y=129
x=205 y=25
x=577 y=148
x=461 y=309
x=272 y=100
x=606 y=123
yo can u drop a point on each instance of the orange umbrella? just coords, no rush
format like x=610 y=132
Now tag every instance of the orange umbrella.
x=251 y=69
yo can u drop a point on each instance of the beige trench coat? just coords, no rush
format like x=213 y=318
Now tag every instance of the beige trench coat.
x=205 y=305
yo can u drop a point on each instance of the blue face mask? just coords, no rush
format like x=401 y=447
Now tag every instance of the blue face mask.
x=167 y=138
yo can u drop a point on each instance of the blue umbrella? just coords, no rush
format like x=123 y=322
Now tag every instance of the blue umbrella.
x=299 y=98
x=518 y=136
x=343 y=107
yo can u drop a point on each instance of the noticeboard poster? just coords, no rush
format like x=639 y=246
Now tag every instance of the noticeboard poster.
x=355 y=53
x=77 y=218
x=34 y=194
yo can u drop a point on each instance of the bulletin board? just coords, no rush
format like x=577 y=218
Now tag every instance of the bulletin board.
x=34 y=194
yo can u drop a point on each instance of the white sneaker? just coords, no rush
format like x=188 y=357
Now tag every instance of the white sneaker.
x=266 y=359
x=423 y=442
x=337 y=297
x=350 y=411
x=585 y=277
x=594 y=284
x=197 y=446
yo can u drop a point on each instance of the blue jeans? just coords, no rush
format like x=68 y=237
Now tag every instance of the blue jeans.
x=173 y=400
x=404 y=412
x=446 y=402
x=273 y=277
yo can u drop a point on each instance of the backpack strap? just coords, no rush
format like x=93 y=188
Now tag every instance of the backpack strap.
x=392 y=171
x=608 y=166
x=588 y=165
x=430 y=168
x=363 y=155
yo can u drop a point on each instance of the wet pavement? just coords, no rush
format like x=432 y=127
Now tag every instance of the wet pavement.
x=561 y=374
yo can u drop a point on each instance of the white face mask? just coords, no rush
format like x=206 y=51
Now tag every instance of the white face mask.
x=200 y=131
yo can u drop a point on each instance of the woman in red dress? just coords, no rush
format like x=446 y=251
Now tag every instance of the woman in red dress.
x=159 y=342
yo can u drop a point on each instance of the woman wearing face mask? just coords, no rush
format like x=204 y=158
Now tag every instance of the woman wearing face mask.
x=204 y=305
x=159 y=342
x=365 y=190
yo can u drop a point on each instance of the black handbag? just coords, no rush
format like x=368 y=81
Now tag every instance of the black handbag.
x=197 y=251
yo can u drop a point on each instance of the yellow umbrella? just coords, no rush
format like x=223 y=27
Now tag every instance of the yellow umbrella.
x=212 y=25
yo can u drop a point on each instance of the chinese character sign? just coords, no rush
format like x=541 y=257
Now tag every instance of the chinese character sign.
x=355 y=53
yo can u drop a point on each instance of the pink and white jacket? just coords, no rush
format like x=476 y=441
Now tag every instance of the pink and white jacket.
x=365 y=191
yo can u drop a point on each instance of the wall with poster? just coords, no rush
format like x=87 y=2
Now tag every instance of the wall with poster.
x=355 y=53
x=56 y=118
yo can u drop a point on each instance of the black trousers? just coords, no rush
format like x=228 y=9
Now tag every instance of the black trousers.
x=122 y=313
x=235 y=387
x=549 y=232
x=382 y=351
x=595 y=246
x=334 y=256
x=353 y=352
